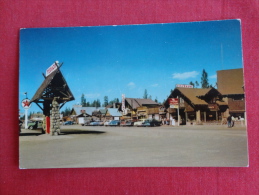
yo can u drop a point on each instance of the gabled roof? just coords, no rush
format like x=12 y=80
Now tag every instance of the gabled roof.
x=54 y=85
x=230 y=82
x=193 y=93
x=114 y=112
x=137 y=102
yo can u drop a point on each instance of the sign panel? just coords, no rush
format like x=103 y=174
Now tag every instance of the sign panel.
x=184 y=86
x=26 y=103
x=173 y=106
x=173 y=101
x=123 y=103
x=52 y=68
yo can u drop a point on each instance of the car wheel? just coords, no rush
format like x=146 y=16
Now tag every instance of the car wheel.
x=30 y=127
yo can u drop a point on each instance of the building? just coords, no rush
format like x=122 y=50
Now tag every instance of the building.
x=196 y=105
x=136 y=108
x=231 y=86
x=93 y=113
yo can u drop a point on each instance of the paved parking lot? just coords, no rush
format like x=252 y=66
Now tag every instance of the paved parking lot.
x=165 y=146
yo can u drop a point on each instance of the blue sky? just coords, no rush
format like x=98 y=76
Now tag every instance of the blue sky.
x=113 y=60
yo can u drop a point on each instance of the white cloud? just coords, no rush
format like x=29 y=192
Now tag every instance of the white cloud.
x=154 y=85
x=92 y=95
x=131 y=85
x=185 y=75
x=213 y=76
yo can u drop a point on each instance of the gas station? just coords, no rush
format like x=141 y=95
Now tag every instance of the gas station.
x=52 y=95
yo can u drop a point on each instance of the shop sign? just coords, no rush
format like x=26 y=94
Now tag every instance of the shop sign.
x=52 y=68
x=184 y=86
x=173 y=101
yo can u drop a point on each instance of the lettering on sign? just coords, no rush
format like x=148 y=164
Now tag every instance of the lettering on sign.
x=173 y=101
x=184 y=86
x=52 y=68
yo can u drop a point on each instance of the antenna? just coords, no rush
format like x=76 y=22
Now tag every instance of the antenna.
x=222 y=56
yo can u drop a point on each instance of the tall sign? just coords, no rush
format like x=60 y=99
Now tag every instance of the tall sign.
x=123 y=104
x=26 y=105
x=174 y=103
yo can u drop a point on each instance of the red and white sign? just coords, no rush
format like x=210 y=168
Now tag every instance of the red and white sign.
x=26 y=103
x=52 y=68
x=173 y=101
x=184 y=86
x=123 y=103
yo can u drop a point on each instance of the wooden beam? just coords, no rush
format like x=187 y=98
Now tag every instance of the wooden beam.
x=44 y=75
x=39 y=106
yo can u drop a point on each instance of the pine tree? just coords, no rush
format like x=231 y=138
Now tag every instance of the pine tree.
x=145 y=94
x=204 y=80
x=106 y=101
x=156 y=100
x=197 y=84
x=83 y=100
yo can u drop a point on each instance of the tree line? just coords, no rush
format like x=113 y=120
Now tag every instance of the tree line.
x=97 y=102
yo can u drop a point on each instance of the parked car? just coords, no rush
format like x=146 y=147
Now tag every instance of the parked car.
x=123 y=123
x=35 y=125
x=96 y=123
x=86 y=123
x=129 y=123
x=114 y=123
x=151 y=123
x=139 y=122
x=68 y=123
x=106 y=123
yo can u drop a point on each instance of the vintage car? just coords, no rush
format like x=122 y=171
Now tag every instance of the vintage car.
x=96 y=123
x=151 y=123
x=139 y=122
x=123 y=123
x=129 y=123
x=106 y=123
x=35 y=125
x=68 y=123
x=114 y=123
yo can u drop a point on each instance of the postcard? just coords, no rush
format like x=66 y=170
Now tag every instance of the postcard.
x=144 y=95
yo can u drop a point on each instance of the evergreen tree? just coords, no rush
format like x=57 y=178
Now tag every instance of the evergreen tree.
x=145 y=94
x=197 y=84
x=106 y=101
x=156 y=100
x=204 y=80
x=66 y=112
x=83 y=100
x=191 y=83
x=98 y=103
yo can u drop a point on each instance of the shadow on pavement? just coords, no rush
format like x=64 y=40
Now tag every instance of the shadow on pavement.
x=67 y=132
x=30 y=134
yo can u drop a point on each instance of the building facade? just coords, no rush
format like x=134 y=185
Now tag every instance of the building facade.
x=231 y=86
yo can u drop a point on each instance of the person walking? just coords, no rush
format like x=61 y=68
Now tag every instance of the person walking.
x=229 y=119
